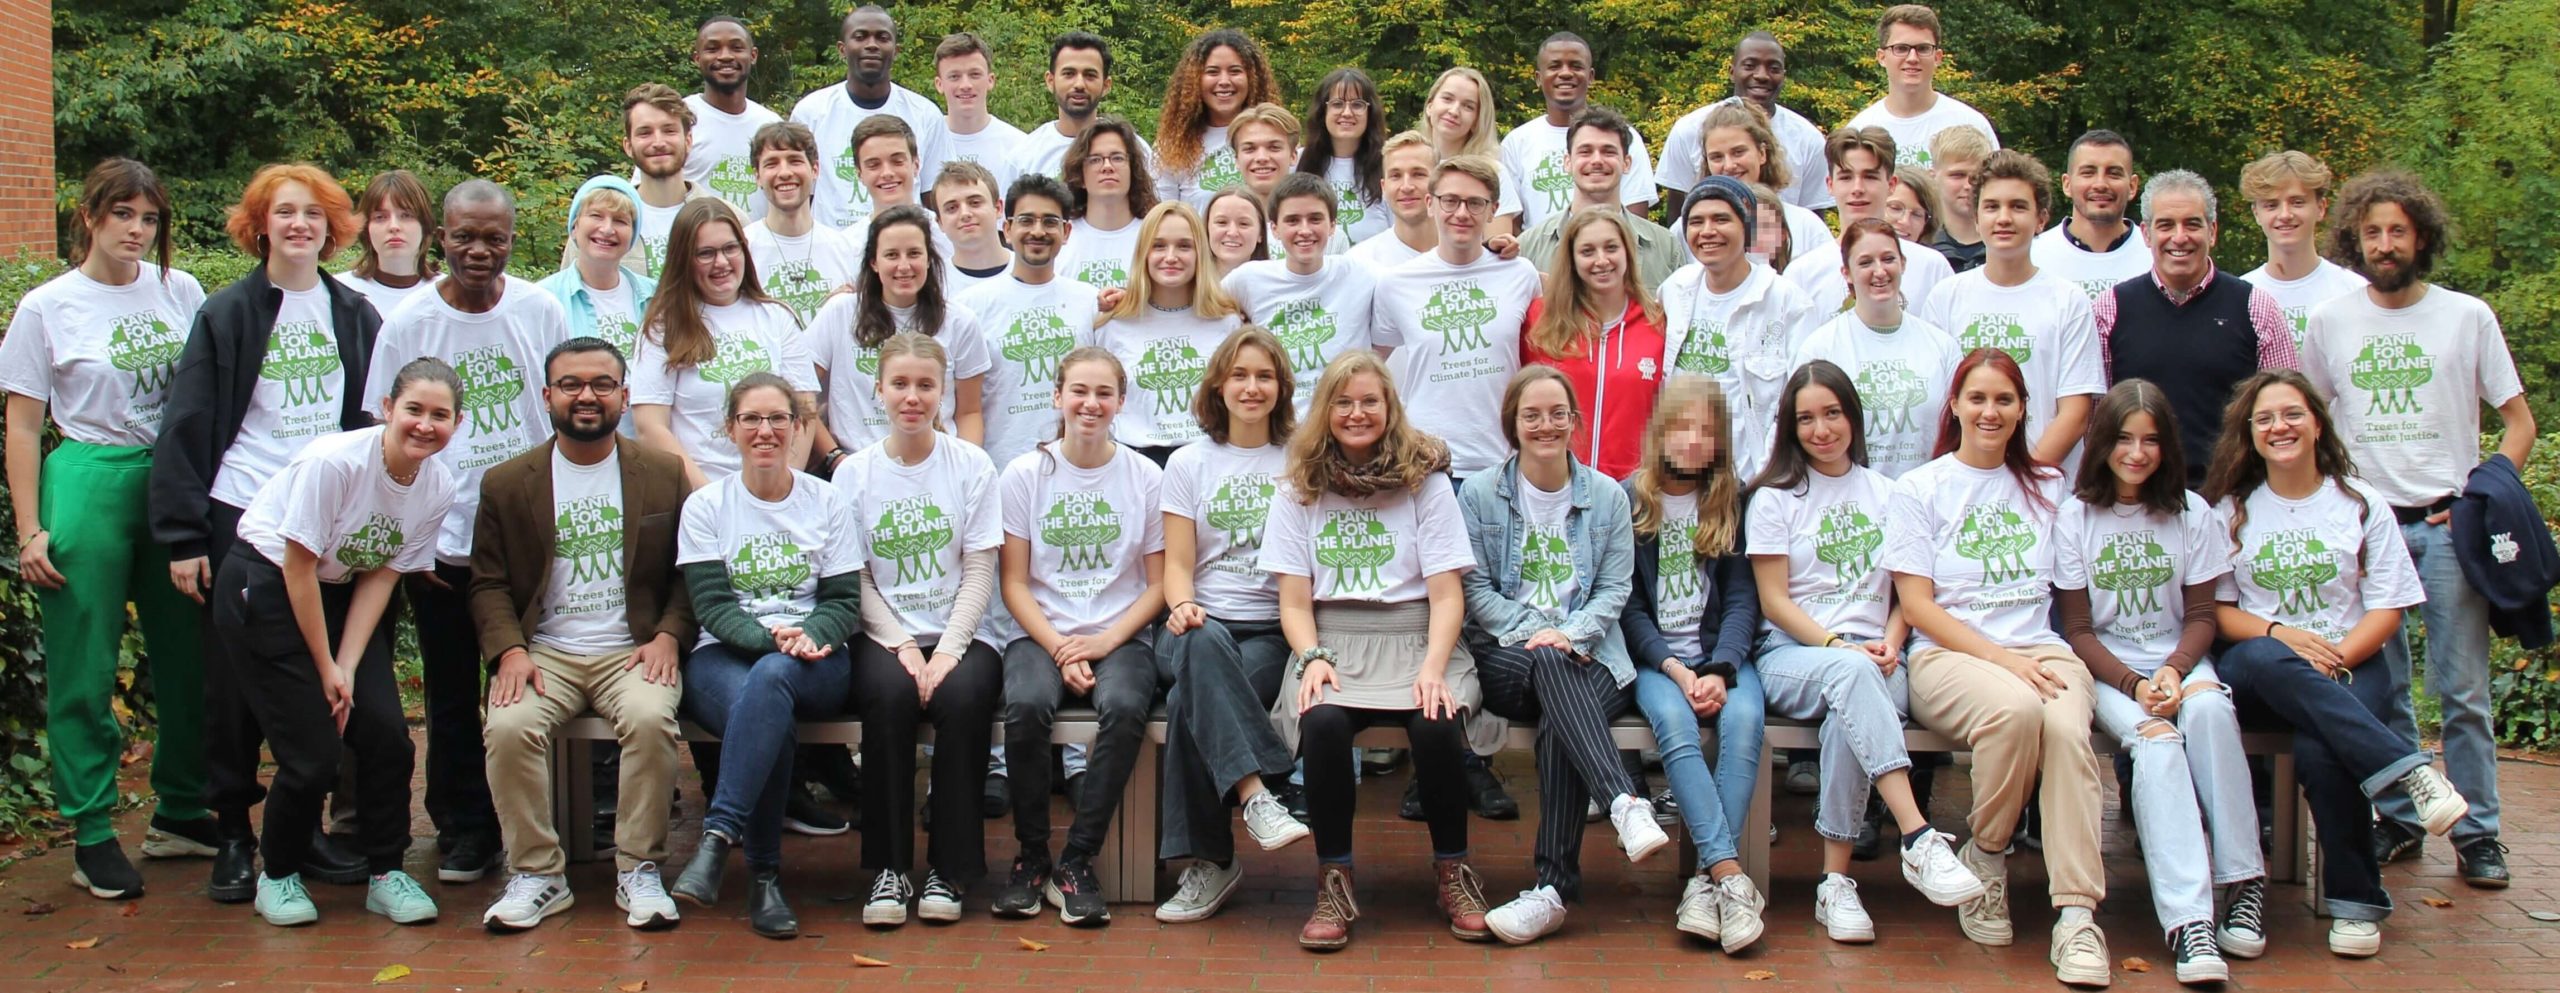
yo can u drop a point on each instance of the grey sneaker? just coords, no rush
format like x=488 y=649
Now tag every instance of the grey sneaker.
x=1268 y=821
x=1203 y=888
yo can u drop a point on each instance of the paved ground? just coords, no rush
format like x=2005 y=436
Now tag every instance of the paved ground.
x=1620 y=941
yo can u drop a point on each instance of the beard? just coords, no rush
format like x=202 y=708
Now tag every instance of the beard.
x=566 y=425
x=2399 y=276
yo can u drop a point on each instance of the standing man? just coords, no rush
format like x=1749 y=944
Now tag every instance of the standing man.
x=1449 y=321
x=1956 y=157
x=798 y=260
x=1406 y=187
x=1533 y=154
x=1596 y=156
x=2288 y=193
x=885 y=160
x=1860 y=174
x=964 y=73
x=1079 y=77
x=492 y=328
x=657 y=133
x=2097 y=247
x=1908 y=46
x=1758 y=72
x=724 y=120
x=1033 y=315
x=2009 y=304
x=2191 y=329
x=2409 y=365
x=574 y=592
x=869 y=45
x=968 y=209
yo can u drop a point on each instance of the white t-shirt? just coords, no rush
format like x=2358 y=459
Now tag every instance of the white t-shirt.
x=1215 y=171
x=2327 y=281
x=922 y=518
x=1166 y=353
x=2408 y=385
x=1680 y=589
x=301 y=386
x=1380 y=550
x=1098 y=257
x=831 y=114
x=385 y=299
x=101 y=356
x=719 y=157
x=1456 y=334
x=2093 y=272
x=617 y=316
x=1547 y=578
x=801 y=271
x=499 y=356
x=654 y=225
x=1746 y=339
x=1903 y=380
x=2318 y=563
x=1911 y=134
x=1830 y=530
x=956 y=280
x=1028 y=328
x=1384 y=252
x=849 y=369
x=2136 y=567
x=337 y=500
x=993 y=147
x=776 y=552
x=1044 y=151
x=585 y=600
x=1683 y=162
x=1315 y=317
x=1533 y=155
x=748 y=337
x=1225 y=492
x=2043 y=323
x=1988 y=547
x=1090 y=532
x=1817 y=273
x=1357 y=213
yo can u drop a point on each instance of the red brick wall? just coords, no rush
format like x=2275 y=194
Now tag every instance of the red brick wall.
x=27 y=218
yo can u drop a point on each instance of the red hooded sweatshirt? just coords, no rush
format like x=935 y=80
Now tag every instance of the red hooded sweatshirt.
x=1615 y=378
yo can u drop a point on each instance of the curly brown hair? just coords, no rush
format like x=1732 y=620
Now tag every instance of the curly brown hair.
x=1186 y=115
x=2238 y=470
x=2426 y=210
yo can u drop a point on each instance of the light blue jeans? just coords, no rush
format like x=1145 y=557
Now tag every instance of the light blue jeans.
x=2190 y=791
x=2457 y=625
x=1713 y=802
x=1861 y=710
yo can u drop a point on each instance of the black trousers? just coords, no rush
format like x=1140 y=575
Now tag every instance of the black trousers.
x=1124 y=689
x=457 y=760
x=1439 y=749
x=963 y=713
x=231 y=738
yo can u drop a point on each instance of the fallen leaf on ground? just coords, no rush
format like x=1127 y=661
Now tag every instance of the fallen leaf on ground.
x=83 y=943
x=2544 y=916
x=132 y=910
x=2135 y=963
x=37 y=908
x=2436 y=901
x=1029 y=945
x=868 y=962
x=634 y=986
x=1759 y=975
x=390 y=973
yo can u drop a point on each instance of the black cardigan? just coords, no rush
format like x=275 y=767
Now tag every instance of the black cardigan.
x=209 y=395
x=1732 y=619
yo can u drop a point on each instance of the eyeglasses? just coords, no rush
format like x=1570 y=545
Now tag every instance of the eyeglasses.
x=601 y=385
x=1342 y=105
x=2293 y=417
x=1038 y=222
x=1112 y=159
x=730 y=251
x=1365 y=405
x=752 y=420
x=1541 y=418
x=1471 y=205
x=1909 y=51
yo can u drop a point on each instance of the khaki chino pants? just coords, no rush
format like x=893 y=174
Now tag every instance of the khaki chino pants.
x=518 y=737
x=2014 y=734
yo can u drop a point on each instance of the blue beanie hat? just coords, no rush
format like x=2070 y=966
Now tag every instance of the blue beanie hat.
x=1733 y=192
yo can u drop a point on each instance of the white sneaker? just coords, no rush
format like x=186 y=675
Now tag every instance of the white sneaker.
x=2355 y=939
x=528 y=899
x=1837 y=908
x=1930 y=866
x=1985 y=919
x=1638 y=833
x=2080 y=954
x=1535 y=914
x=642 y=895
x=1268 y=821
x=939 y=901
x=1203 y=889
x=1740 y=905
x=890 y=893
x=1699 y=914
x=2439 y=806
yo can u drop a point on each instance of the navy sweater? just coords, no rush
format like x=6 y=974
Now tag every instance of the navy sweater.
x=1725 y=634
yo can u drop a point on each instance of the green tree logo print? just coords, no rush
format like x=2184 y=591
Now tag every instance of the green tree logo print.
x=2293 y=565
x=1678 y=563
x=1103 y=272
x=1546 y=562
x=620 y=329
x=733 y=357
x=1218 y=170
x=147 y=347
x=1458 y=312
x=1551 y=179
x=1171 y=369
x=1348 y=207
x=1706 y=352
x=913 y=531
x=1997 y=537
x=733 y=179
x=2299 y=318
x=1039 y=337
x=491 y=382
x=370 y=547
x=1304 y=328
x=2392 y=367
x=590 y=536
x=2001 y=331
x=768 y=566
x=798 y=285
x=653 y=255
x=2134 y=567
x=1846 y=539
x=1354 y=545
x=299 y=355
x=1891 y=391
x=1239 y=508
x=1080 y=524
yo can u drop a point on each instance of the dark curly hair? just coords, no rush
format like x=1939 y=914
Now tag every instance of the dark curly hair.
x=2426 y=213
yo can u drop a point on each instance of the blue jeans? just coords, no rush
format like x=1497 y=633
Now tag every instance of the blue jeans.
x=1861 y=710
x=2344 y=755
x=2457 y=625
x=1713 y=802
x=753 y=704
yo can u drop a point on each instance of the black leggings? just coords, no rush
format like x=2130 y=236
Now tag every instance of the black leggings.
x=963 y=713
x=1439 y=749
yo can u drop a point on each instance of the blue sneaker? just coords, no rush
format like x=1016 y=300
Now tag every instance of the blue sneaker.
x=394 y=895
x=284 y=903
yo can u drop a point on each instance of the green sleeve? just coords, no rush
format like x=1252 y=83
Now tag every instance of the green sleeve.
x=839 y=614
x=715 y=605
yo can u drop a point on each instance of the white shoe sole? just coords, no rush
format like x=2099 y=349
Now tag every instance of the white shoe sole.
x=2206 y=971
x=1510 y=937
x=1997 y=935
x=81 y=879
x=1738 y=938
x=812 y=830
x=428 y=918
x=1644 y=849
x=2099 y=977
x=653 y=922
x=2239 y=948
x=501 y=925
x=881 y=916
x=1299 y=833
x=1711 y=928
x=1206 y=910
x=938 y=911
x=162 y=845
x=1944 y=898
x=297 y=920
x=1844 y=935
x=2355 y=948
x=2445 y=816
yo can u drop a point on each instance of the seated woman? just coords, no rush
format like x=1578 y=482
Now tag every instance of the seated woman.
x=2135 y=560
x=769 y=554
x=2319 y=578
x=1968 y=539
x=1368 y=544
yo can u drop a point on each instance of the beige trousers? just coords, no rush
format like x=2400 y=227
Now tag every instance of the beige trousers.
x=519 y=742
x=2014 y=734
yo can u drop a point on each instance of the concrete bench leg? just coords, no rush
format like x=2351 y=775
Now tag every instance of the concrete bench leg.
x=1127 y=863
x=1755 y=828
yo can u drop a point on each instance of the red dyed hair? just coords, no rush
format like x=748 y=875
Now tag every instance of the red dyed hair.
x=2020 y=462
x=248 y=221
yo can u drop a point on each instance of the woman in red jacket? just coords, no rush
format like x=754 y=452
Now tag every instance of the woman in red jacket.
x=1602 y=328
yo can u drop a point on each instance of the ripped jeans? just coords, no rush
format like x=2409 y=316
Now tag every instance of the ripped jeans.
x=2190 y=793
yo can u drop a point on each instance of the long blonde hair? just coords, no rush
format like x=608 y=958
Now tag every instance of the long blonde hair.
x=1208 y=299
x=1568 y=320
x=1404 y=453
x=1482 y=142
x=1719 y=498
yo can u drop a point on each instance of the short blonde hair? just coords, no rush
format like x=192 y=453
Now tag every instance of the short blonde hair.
x=613 y=201
x=1917 y=15
x=1961 y=143
x=2259 y=179
x=1402 y=140
x=1268 y=114
x=1482 y=169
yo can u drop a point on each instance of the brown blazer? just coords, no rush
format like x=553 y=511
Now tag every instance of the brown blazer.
x=518 y=532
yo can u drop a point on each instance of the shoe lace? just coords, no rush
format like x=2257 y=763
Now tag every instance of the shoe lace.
x=292 y=888
x=2248 y=908
x=1333 y=898
x=1027 y=874
x=1844 y=894
x=2084 y=940
x=1994 y=903
x=890 y=886
x=643 y=881
x=1463 y=889
x=1077 y=877
x=405 y=887
x=2424 y=787
x=2195 y=941
x=1194 y=884
x=935 y=887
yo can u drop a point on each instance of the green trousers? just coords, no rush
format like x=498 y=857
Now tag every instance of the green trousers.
x=93 y=502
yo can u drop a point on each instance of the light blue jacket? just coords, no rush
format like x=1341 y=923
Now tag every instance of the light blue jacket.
x=1602 y=536
x=574 y=298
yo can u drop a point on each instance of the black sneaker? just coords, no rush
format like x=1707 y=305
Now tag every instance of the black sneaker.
x=171 y=838
x=997 y=800
x=1292 y=796
x=104 y=870
x=1020 y=896
x=471 y=857
x=2393 y=843
x=2199 y=959
x=1077 y=893
x=333 y=860
x=1411 y=807
x=1485 y=794
x=1666 y=808
x=2483 y=864
x=802 y=815
x=1381 y=761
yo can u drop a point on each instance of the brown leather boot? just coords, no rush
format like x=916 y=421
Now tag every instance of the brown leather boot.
x=1330 y=926
x=1462 y=899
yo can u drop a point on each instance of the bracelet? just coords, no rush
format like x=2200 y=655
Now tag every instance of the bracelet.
x=1835 y=639
x=834 y=455
x=2271 y=629
x=1298 y=661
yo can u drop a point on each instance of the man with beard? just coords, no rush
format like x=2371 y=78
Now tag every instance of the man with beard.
x=1758 y=72
x=491 y=328
x=2097 y=247
x=573 y=592
x=1079 y=77
x=869 y=45
x=657 y=133
x=1534 y=155
x=798 y=260
x=2407 y=365
x=1032 y=315
x=724 y=120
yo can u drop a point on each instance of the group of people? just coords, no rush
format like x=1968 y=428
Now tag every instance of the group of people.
x=1413 y=430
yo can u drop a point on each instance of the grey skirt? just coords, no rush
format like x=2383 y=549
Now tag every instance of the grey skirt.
x=1378 y=650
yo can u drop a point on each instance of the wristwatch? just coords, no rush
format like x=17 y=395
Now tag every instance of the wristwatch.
x=1298 y=660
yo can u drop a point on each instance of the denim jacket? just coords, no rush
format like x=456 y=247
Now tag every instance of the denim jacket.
x=1603 y=543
